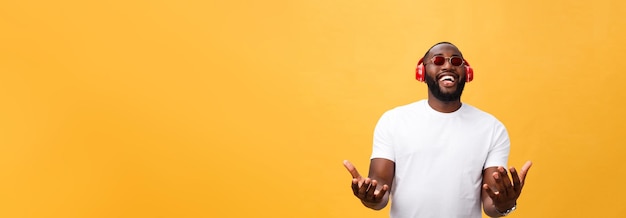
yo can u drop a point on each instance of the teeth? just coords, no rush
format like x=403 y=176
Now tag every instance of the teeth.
x=450 y=78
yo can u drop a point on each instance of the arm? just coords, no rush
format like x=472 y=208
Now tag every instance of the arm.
x=498 y=192
x=374 y=190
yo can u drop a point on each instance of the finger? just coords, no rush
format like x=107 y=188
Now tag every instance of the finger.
x=498 y=176
x=524 y=170
x=363 y=188
x=490 y=192
x=517 y=185
x=370 y=192
x=506 y=181
x=355 y=187
x=351 y=169
x=379 y=196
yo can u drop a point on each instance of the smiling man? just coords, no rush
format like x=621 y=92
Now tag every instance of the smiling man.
x=440 y=157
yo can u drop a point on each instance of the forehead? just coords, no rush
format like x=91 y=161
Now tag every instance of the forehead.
x=445 y=50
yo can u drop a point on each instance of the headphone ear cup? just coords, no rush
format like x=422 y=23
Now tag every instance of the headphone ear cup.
x=469 y=73
x=420 y=71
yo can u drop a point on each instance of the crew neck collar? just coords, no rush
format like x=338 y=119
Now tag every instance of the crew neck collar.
x=442 y=114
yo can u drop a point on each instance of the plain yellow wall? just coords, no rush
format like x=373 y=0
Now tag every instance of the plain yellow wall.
x=247 y=108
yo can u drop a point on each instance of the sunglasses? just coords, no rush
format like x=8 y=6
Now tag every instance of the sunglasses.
x=454 y=61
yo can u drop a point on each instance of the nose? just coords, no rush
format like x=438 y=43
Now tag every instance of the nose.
x=447 y=64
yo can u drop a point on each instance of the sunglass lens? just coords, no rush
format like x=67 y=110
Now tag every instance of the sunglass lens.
x=456 y=61
x=438 y=60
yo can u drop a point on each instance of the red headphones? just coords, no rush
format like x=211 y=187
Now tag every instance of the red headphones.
x=420 y=71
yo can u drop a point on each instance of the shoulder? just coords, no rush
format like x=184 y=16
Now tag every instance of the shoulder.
x=477 y=113
x=408 y=108
x=403 y=113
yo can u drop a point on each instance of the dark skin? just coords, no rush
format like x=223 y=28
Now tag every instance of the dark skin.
x=499 y=190
x=373 y=191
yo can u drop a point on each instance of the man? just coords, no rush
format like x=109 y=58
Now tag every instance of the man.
x=439 y=157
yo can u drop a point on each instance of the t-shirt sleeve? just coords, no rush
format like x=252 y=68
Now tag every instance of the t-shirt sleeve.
x=383 y=140
x=499 y=150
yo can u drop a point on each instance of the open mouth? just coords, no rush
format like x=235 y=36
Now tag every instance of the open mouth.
x=447 y=79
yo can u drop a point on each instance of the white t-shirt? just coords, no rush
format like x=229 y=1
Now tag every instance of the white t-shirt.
x=439 y=158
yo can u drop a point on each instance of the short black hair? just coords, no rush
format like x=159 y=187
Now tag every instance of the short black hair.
x=439 y=43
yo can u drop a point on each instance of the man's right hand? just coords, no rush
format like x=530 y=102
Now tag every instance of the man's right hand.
x=366 y=189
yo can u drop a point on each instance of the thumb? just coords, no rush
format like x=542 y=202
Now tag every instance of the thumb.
x=525 y=169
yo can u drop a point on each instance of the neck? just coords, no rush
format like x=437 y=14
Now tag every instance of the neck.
x=443 y=106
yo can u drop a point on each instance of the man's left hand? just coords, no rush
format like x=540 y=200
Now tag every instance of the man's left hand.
x=504 y=193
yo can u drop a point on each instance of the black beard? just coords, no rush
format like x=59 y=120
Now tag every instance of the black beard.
x=433 y=86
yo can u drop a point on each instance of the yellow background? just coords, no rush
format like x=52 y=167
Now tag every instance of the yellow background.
x=247 y=108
